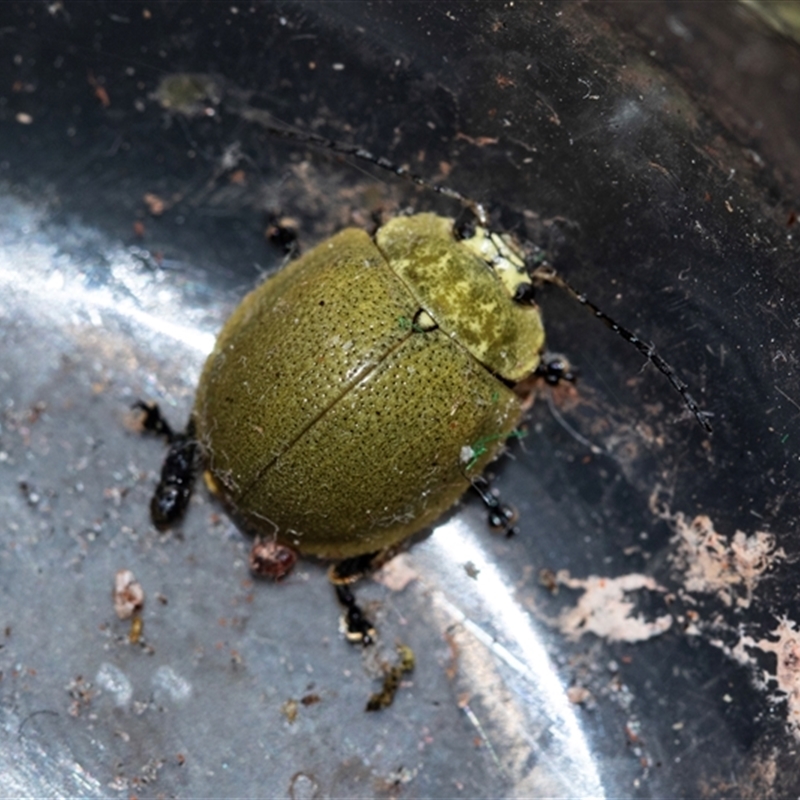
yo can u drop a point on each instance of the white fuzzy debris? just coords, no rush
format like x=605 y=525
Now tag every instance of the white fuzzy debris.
x=114 y=681
x=128 y=594
x=604 y=610
x=785 y=680
x=712 y=564
x=175 y=686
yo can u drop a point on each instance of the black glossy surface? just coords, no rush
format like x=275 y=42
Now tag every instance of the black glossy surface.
x=649 y=149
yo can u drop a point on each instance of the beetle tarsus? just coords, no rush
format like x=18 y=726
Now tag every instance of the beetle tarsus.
x=502 y=518
x=358 y=629
x=179 y=470
x=555 y=369
x=174 y=489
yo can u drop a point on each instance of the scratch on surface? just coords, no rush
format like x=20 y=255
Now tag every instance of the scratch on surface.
x=793 y=402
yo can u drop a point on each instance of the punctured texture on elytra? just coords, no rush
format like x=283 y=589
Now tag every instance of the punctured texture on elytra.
x=329 y=419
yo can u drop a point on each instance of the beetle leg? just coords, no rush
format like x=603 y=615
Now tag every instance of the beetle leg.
x=351 y=569
x=283 y=237
x=178 y=472
x=359 y=630
x=555 y=368
x=153 y=420
x=501 y=516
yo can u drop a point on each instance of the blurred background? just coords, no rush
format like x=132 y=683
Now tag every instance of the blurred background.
x=639 y=637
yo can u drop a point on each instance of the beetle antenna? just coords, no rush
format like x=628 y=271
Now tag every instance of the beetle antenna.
x=356 y=151
x=648 y=350
x=544 y=274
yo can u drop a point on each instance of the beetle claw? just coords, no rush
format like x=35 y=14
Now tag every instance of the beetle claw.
x=153 y=421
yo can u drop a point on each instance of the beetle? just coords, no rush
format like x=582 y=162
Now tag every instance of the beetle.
x=353 y=397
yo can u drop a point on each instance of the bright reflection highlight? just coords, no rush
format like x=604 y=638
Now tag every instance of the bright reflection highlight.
x=453 y=545
x=59 y=286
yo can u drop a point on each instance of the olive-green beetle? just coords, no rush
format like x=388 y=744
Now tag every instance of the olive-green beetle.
x=351 y=398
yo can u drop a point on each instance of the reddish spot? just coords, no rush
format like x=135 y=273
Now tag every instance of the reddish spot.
x=269 y=559
x=633 y=737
